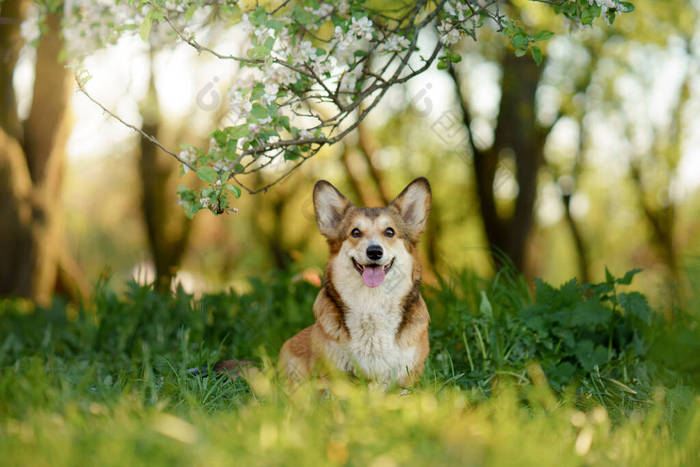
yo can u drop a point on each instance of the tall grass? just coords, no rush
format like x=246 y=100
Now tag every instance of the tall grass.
x=563 y=375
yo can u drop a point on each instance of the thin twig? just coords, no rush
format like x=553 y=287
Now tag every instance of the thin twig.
x=151 y=138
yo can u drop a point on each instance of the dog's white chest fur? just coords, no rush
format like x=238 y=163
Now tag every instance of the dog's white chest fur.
x=372 y=319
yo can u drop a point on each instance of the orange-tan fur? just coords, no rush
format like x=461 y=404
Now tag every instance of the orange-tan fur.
x=377 y=332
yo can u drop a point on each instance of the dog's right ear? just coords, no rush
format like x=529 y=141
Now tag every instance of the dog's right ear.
x=330 y=207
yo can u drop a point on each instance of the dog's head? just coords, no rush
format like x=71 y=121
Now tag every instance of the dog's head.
x=375 y=243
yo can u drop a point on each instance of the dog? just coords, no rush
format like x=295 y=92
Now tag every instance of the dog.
x=370 y=317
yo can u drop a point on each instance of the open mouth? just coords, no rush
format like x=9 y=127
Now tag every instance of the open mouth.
x=372 y=274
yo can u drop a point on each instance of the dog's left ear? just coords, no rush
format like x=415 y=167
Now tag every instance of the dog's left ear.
x=413 y=203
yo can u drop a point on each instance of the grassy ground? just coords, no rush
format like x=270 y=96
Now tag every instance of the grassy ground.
x=565 y=375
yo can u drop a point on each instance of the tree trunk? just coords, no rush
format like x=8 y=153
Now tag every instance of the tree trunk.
x=517 y=131
x=167 y=227
x=31 y=165
x=12 y=12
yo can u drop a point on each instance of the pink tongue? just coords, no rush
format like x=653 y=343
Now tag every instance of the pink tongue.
x=373 y=276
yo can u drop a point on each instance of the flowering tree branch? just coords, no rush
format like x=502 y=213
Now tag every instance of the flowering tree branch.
x=314 y=71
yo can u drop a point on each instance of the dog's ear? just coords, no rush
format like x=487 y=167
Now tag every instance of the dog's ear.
x=330 y=207
x=413 y=204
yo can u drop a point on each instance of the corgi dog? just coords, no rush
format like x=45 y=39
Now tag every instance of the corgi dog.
x=370 y=318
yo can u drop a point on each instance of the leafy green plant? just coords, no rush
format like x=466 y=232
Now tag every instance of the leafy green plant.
x=590 y=336
x=592 y=339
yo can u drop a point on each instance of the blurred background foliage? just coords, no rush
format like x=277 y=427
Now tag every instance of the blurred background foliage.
x=589 y=160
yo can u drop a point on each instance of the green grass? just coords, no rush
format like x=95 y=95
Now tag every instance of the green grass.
x=576 y=374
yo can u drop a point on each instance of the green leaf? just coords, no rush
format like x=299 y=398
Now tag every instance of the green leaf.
x=259 y=16
x=636 y=305
x=536 y=54
x=544 y=293
x=191 y=209
x=207 y=174
x=566 y=336
x=589 y=355
x=629 y=275
x=543 y=35
x=237 y=132
x=561 y=373
x=284 y=122
x=302 y=16
x=258 y=52
x=520 y=52
x=610 y=15
x=188 y=199
x=219 y=136
x=145 y=29
x=234 y=190
x=485 y=306
x=567 y=296
x=626 y=7
x=276 y=25
x=590 y=13
x=520 y=41
x=258 y=111
x=609 y=278
x=292 y=154
x=442 y=65
x=590 y=314
x=257 y=92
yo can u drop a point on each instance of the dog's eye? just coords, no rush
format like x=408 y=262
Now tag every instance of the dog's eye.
x=389 y=232
x=356 y=233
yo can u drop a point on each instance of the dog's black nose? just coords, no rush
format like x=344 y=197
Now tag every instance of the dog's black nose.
x=374 y=252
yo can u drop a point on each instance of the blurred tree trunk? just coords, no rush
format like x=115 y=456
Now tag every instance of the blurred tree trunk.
x=517 y=131
x=367 y=148
x=36 y=261
x=167 y=227
x=356 y=182
x=11 y=11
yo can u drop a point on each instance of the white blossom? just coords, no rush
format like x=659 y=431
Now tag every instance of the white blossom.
x=362 y=28
x=343 y=7
x=187 y=156
x=395 y=43
x=270 y=95
x=261 y=33
x=349 y=79
x=449 y=34
x=254 y=128
x=245 y=23
x=303 y=52
x=345 y=45
x=240 y=106
x=282 y=75
x=222 y=166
